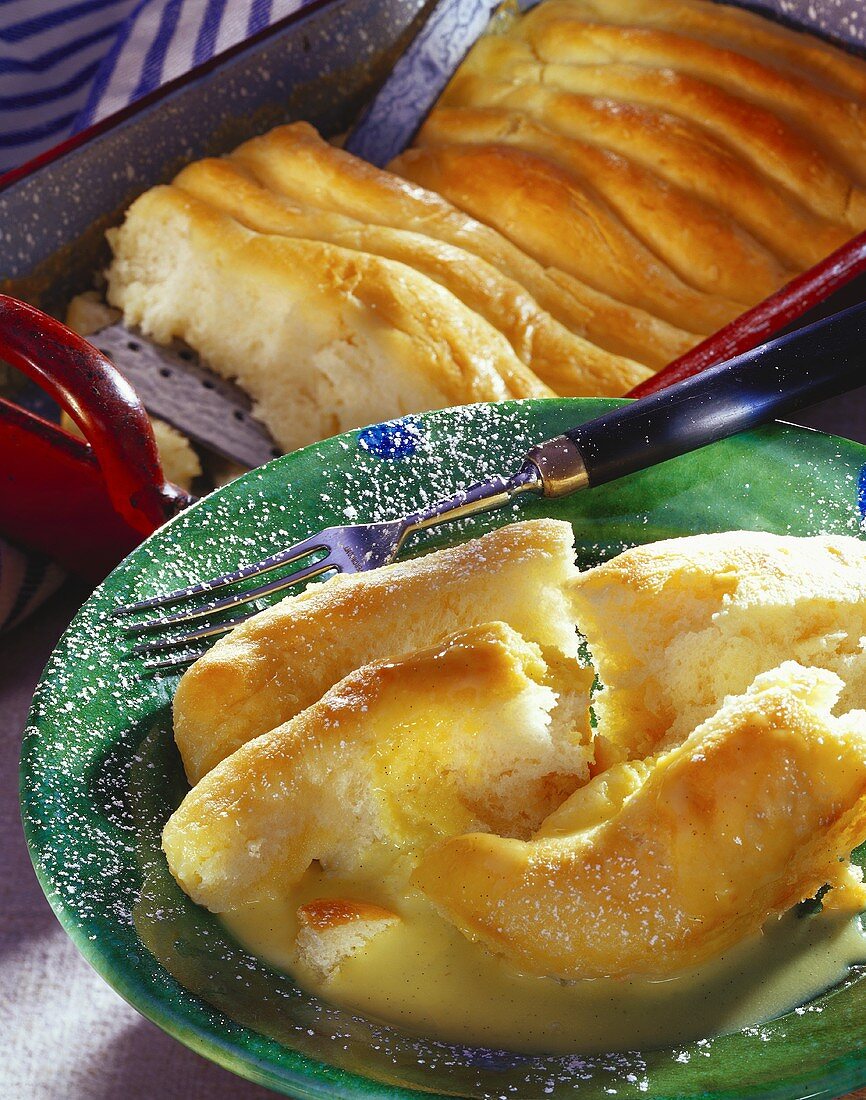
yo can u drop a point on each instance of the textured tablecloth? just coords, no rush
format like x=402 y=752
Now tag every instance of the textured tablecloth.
x=64 y=1035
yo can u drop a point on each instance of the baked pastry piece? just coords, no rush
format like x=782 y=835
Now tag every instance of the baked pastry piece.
x=332 y=930
x=338 y=294
x=675 y=626
x=733 y=28
x=682 y=156
x=657 y=866
x=566 y=361
x=276 y=664
x=686 y=232
x=295 y=162
x=323 y=338
x=676 y=149
x=555 y=218
x=706 y=77
x=475 y=733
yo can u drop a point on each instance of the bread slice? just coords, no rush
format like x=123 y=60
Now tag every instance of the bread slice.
x=276 y=664
x=464 y=735
x=675 y=626
x=655 y=868
x=332 y=930
x=323 y=338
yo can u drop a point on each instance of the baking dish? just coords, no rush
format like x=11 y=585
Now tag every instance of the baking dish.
x=320 y=64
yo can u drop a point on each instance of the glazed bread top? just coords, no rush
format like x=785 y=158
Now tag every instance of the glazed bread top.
x=683 y=156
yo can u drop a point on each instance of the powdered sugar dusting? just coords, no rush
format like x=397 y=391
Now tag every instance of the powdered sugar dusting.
x=102 y=775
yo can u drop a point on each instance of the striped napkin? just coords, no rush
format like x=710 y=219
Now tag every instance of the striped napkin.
x=64 y=66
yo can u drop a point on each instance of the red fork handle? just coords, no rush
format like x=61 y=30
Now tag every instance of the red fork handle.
x=765 y=320
x=85 y=506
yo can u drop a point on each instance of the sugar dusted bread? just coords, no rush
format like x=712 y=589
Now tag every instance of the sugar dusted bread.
x=657 y=866
x=273 y=666
x=675 y=626
x=478 y=732
x=427 y=727
x=332 y=930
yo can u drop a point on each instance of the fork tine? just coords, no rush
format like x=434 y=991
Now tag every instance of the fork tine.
x=229 y=624
x=144 y=648
x=237 y=600
x=284 y=557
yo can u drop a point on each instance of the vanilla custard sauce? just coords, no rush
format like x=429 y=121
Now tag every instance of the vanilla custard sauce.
x=424 y=976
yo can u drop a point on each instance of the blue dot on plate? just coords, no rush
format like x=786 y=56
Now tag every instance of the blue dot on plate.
x=393 y=440
x=861 y=491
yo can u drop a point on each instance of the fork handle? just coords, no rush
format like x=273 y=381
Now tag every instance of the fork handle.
x=813 y=363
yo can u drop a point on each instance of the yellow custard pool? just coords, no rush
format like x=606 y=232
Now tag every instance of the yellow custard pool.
x=424 y=976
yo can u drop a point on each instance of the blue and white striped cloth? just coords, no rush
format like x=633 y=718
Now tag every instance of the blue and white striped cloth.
x=64 y=66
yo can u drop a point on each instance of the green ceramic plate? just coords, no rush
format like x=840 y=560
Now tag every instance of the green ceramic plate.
x=100 y=774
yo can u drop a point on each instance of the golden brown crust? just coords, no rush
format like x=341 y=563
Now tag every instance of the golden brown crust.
x=768 y=143
x=278 y=663
x=677 y=149
x=749 y=33
x=779 y=149
x=705 y=248
x=350 y=338
x=326 y=914
x=832 y=122
x=569 y=364
x=332 y=930
x=537 y=206
x=293 y=161
x=771 y=786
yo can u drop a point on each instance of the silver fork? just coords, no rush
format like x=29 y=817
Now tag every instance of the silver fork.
x=809 y=365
